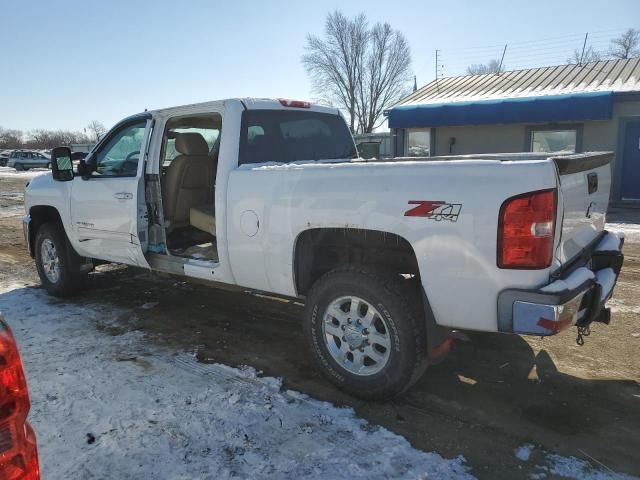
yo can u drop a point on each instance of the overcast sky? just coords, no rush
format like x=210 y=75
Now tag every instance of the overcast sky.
x=64 y=63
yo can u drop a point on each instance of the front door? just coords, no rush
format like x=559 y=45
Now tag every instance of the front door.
x=104 y=205
x=631 y=162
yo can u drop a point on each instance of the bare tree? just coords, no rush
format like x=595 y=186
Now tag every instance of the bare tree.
x=386 y=77
x=589 y=55
x=493 y=66
x=97 y=129
x=41 y=138
x=626 y=45
x=362 y=70
x=10 y=138
x=334 y=63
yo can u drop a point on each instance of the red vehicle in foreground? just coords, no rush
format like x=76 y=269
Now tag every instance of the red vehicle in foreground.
x=18 y=450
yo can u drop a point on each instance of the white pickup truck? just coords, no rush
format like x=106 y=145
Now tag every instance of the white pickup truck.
x=390 y=256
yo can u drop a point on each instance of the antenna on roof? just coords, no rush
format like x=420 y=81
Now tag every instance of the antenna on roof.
x=415 y=83
x=502 y=60
x=584 y=45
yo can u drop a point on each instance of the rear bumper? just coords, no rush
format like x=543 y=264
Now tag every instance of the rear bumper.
x=578 y=298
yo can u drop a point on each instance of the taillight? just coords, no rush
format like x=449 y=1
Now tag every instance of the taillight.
x=18 y=453
x=525 y=230
x=294 y=103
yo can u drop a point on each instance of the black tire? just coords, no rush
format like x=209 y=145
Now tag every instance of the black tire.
x=398 y=303
x=49 y=166
x=19 y=167
x=70 y=278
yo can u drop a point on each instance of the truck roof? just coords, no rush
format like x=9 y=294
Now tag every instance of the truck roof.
x=249 y=103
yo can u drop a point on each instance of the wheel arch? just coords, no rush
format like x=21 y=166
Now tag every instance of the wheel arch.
x=319 y=250
x=41 y=214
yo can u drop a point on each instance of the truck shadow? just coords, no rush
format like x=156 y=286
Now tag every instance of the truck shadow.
x=491 y=395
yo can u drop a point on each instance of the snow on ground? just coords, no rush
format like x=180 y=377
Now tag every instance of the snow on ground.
x=631 y=230
x=566 y=467
x=111 y=403
x=523 y=452
x=13 y=173
x=571 y=467
x=159 y=414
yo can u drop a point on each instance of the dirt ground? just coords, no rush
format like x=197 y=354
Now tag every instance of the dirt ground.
x=492 y=394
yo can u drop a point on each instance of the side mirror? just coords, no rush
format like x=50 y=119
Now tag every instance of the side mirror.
x=61 y=164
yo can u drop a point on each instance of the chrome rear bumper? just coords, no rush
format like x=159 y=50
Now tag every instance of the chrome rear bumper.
x=579 y=298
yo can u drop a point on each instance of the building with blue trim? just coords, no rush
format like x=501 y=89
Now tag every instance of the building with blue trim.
x=576 y=108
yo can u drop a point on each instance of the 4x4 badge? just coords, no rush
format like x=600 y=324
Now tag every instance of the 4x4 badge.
x=435 y=210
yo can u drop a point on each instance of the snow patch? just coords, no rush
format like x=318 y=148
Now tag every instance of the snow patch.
x=618 y=305
x=610 y=242
x=110 y=403
x=577 y=278
x=13 y=173
x=523 y=452
x=571 y=467
x=631 y=231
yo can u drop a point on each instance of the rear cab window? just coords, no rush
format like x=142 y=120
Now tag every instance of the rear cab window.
x=285 y=136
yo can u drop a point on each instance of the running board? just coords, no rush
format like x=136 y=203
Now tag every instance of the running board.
x=200 y=269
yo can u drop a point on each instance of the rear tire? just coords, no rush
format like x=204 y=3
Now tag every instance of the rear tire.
x=377 y=362
x=49 y=166
x=57 y=263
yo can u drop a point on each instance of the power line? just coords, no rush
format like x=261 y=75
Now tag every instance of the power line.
x=527 y=51
x=543 y=40
x=550 y=51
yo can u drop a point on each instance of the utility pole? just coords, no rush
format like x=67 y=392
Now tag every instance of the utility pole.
x=502 y=59
x=584 y=45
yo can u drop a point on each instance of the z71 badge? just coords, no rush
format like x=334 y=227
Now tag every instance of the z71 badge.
x=434 y=210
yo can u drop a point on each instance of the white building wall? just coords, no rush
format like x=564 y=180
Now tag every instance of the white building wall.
x=506 y=138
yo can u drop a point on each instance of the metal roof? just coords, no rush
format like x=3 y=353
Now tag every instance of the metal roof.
x=608 y=75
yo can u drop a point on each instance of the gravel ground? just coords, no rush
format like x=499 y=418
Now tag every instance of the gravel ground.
x=512 y=406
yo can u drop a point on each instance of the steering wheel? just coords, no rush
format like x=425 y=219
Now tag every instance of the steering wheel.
x=132 y=154
x=129 y=165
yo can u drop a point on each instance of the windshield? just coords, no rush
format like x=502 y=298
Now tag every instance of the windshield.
x=290 y=136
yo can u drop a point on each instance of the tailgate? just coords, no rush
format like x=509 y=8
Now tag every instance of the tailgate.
x=583 y=197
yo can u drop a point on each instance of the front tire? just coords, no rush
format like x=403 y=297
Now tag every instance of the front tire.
x=19 y=167
x=56 y=262
x=366 y=332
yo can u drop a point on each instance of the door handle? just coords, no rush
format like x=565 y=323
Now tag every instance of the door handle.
x=123 y=195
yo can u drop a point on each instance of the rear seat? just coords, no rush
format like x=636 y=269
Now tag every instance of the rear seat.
x=203 y=218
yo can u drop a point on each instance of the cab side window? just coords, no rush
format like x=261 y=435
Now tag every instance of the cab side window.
x=119 y=157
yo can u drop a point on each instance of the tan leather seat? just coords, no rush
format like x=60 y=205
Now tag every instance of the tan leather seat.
x=189 y=180
x=204 y=218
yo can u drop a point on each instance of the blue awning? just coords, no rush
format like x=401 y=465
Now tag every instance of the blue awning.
x=552 y=108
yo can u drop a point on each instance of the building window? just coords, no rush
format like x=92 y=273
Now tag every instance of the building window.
x=554 y=140
x=418 y=143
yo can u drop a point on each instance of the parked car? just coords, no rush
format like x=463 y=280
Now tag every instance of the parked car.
x=4 y=158
x=389 y=256
x=18 y=449
x=26 y=159
x=77 y=156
